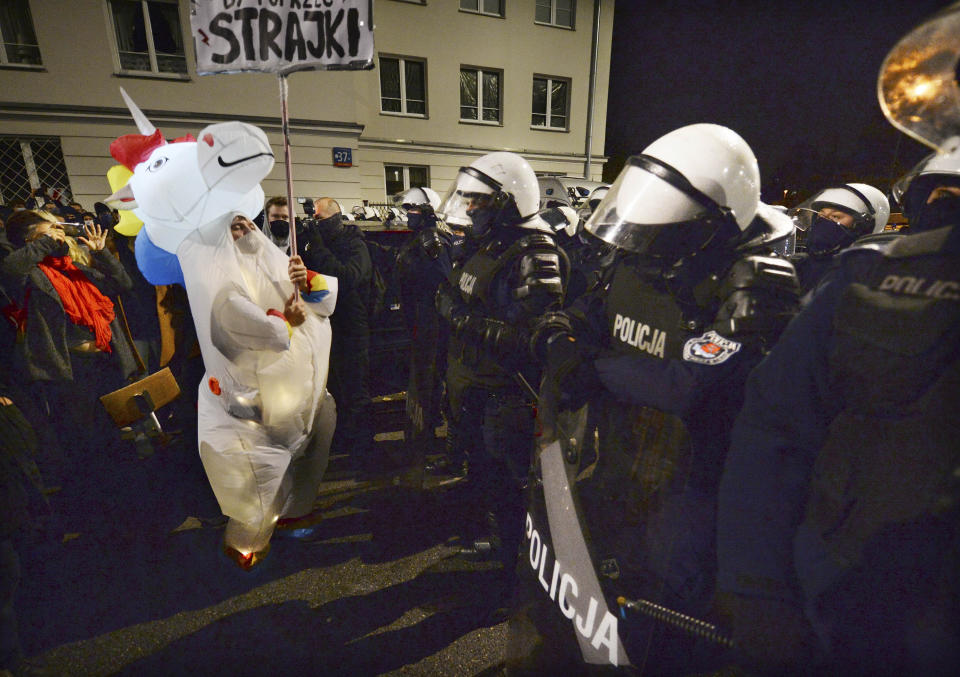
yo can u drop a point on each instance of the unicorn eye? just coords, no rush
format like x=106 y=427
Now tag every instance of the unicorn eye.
x=157 y=164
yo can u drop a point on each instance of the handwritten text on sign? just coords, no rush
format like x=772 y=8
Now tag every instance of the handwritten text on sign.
x=282 y=36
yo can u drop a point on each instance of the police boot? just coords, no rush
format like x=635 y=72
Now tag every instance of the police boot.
x=484 y=548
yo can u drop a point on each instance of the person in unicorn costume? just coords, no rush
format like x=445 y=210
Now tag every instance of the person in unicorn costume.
x=265 y=419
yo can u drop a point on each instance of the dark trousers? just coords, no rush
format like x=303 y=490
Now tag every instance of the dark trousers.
x=349 y=367
x=496 y=428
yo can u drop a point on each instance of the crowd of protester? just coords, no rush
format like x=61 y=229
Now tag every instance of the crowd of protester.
x=495 y=297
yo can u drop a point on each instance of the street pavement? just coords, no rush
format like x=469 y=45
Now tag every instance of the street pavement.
x=128 y=577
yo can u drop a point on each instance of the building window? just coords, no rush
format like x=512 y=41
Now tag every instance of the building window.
x=551 y=98
x=403 y=85
x=149 y=37
x=556 y=12
x=28 y=163
x=399 y=178
x=480 y=95
x=488 y=7
x=19 y=41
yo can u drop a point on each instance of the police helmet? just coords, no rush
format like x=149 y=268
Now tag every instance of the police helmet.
x=695 y=185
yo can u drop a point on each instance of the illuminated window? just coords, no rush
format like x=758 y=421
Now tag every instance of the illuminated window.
x=556 y=12
x=403 y=85
x=148 y=36
x=18 y=45
x=480 y=94
x=551 y=98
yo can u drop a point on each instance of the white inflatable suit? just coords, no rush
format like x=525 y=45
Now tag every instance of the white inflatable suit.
x=265 y=420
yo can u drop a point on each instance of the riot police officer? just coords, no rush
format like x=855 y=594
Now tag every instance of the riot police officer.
x=424 y=261
x=839 y=508
x=513 y=273
x=832 y=220
x=662 y=350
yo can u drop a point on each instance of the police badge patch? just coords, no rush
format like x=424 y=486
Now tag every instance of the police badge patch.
x=711 y=348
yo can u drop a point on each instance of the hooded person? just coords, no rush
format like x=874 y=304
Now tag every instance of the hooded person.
x=265 y=419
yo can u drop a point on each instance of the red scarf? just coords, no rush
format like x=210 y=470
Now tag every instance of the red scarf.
x=83 y=303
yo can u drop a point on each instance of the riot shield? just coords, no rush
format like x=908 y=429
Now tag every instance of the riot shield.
x=562 y=618
x=598 y=578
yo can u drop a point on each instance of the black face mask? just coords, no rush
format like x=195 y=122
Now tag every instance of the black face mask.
x=414 y=221
x=944 y=211
x=329 y=227
x=827 y=236
x=280 y=228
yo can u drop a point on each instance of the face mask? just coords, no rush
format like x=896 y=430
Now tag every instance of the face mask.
x=280 y=228
x=249 y=243
x=414 y=221
x=944 y=211
x=827 y=236
x=329 y=227
x=482 y=221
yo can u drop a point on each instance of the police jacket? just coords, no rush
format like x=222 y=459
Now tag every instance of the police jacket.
x=423 y=263
x=346 y=258
x=686 y=352
x=492 y=298
x=845 y=449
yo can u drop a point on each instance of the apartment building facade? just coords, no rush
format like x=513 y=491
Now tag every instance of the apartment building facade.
x=454 y=79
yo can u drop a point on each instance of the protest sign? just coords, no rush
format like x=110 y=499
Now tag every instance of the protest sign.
x=282 y=36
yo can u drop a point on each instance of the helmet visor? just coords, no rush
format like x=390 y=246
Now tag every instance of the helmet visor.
x=838 y=199
x=466 y=194
x=645 y=214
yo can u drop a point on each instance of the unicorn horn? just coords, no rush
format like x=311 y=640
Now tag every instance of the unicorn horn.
x=143 y=124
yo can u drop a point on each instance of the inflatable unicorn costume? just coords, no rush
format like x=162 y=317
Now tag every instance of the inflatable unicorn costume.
x=265 y=419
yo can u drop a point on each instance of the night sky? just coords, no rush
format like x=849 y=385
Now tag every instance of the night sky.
x=796 y=80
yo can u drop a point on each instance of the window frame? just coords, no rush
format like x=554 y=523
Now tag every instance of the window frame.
x=550 y=79
x=154 y=72
x=406 y=176
x=479 y=11
x=553 y=17
x=401 y=59
x=5 y=63
x=479 y=120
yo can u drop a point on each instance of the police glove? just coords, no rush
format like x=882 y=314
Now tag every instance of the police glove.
x=445 y=303
x=544 y=331
x=570 y=371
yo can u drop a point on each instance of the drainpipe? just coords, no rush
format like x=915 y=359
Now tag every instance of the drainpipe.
x=594 y=48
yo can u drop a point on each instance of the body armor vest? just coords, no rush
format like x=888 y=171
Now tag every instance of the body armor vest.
x=468 y=363
x=892 y=457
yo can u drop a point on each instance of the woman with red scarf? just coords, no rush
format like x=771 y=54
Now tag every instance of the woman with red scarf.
x=71 y=345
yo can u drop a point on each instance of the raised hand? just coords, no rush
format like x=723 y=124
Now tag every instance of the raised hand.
x=96 y=237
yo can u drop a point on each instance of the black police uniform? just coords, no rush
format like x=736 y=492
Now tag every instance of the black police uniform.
x=423 y=264
x=666 y=367
x=838 y=514
x=490 y=300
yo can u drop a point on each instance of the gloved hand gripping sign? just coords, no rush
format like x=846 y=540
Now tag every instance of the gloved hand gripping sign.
x=265 y=419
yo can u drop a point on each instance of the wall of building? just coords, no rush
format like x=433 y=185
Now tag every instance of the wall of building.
x=76 y=96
